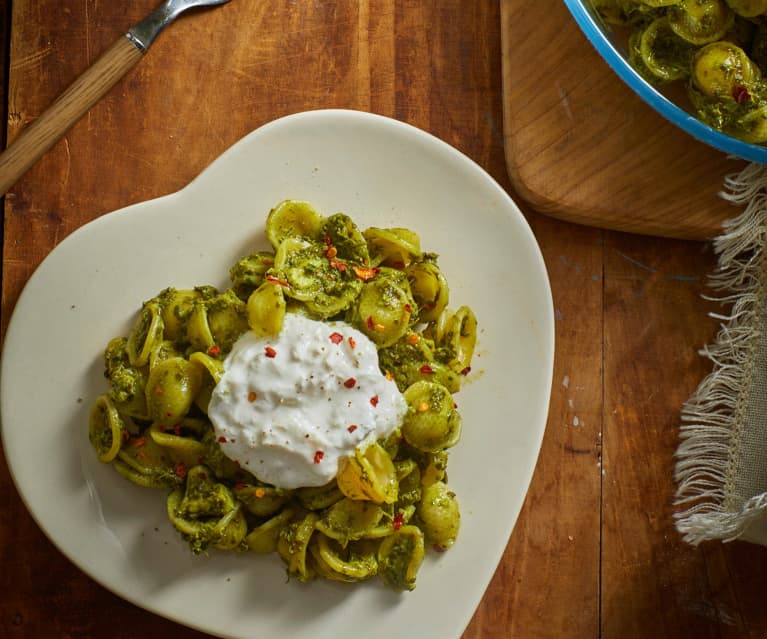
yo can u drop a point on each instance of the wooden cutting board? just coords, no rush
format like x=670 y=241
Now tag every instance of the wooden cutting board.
x=581 y=146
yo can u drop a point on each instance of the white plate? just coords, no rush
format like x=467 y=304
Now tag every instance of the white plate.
x=382 y=173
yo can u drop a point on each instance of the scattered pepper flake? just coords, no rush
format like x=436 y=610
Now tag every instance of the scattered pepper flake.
x=180 y=470
x=318 y=456
x=214 y=350
x=364 y=273
x=398 y=520
x=350 y=383
x=740 y=94
x=426 y=370
x=466 y=370
x=260 y=492
x=239 y=485
x=388 y=375
x=270 y=352
x=141 y=454
x=370 y=322
x=331 y=252
x=141 y=441
x=352 y=427
x=276 y=280
x=336 y=338
x=252 y=395
x=338 y=265
x=374 y=401
x=408 y=309
x=177 y=429
x=413 y=339
x=222 y=440
x=422 y=407
x=158 y=390
x=380 y=328
x=352 y=342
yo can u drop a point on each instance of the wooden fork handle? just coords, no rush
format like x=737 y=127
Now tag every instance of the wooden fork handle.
x=68 y=108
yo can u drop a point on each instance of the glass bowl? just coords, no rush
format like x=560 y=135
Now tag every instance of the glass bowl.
x=615 y=54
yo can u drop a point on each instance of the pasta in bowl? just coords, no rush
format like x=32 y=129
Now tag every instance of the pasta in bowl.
x=307 y=409
x=699 y=63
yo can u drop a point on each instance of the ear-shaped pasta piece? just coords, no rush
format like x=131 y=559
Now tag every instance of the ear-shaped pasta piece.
x=262 y=501
x=144 y=462
x=344 y=240
x=385 y=307
x=659 y=53
x=292 y=547
x=325 y=285
x=211 y=370
x=718 y=68
x=394 y=247
x=177 y=306
x=460 y=339
x=352 y=563
x=400 y=555
x=349 y=519
x=126 y=382
x=439 y=515
x=291 y=219
x=171 y=389
x=248 y=272
x=368 y=475
x=263 y=538
x=429 y=288
x=106 y=429
x=431 y=423
x=206 y=514
x=227 y=319
x=409 y=478
x=701 y=21
x=266 y=309
x=146 y=333
x=185 y=450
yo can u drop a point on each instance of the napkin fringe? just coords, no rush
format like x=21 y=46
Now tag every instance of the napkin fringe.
x=712 y=416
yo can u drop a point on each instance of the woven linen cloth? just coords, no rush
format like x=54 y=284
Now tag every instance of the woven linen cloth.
x=721 y=460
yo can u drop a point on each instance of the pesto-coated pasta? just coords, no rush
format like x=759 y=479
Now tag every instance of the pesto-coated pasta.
x=716 y=48
x=389 y=500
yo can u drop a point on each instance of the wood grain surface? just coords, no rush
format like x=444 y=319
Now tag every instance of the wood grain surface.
x=582 y=146
x=594 y=553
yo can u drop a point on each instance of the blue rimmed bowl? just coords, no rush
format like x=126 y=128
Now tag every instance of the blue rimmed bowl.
x=608 y=44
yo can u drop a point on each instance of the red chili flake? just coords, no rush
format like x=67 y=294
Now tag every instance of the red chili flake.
x=352 y=342
x=352 y=428
x=374 y=400
x=365 y=274
x=276 y=280
x=338 y=265
x=252 y=396
x=141 y=454
x=413 y=339
x=740 y=94
x=336 y=338
x=350 y=383
x=370 y=322
x=222 y=440
x=318 y=456
x=232 y=439
x=140 y=442
x=327 y=239
x=331 y=252
x=214 y=350
x=180 y=470
x=177 y=429
x=270 y=352
x=260 y=492
x=239 y=486
x=466 y=370
x=125 y=435
x=408 y=309
x=426 y=369
x=398 y=520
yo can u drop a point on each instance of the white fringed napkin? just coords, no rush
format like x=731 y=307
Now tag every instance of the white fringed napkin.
x=721 y=461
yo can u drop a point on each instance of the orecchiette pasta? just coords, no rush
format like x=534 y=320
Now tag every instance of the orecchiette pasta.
x=389 y=500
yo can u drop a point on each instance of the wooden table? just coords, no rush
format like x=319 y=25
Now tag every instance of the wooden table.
x=594 y=552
